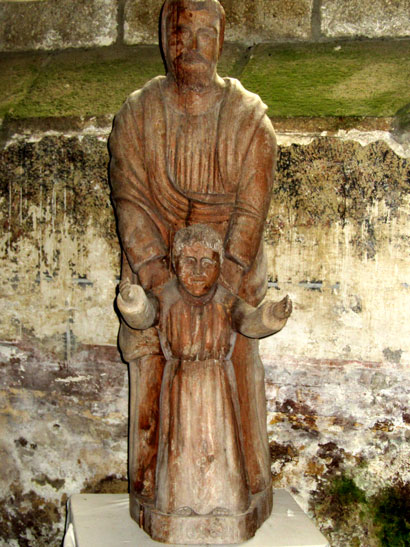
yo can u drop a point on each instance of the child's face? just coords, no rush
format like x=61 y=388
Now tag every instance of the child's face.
x=197 y=268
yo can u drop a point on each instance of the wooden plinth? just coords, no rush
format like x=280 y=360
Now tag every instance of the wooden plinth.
x=202 y=529
x=102 y=520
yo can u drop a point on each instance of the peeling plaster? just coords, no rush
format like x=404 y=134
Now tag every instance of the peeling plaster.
x=364 y=138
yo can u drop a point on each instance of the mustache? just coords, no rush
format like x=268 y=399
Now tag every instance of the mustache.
x=191 y=57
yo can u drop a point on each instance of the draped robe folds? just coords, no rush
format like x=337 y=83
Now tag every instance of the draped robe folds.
x=200 y=455
x=153 y=199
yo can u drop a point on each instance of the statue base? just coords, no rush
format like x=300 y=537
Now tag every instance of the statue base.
x=202 y=529
x=103 y=520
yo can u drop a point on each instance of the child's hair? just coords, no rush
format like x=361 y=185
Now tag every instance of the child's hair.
x=197 y=233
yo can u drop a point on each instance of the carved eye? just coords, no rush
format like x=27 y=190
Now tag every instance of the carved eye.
x=207 y=262
x=184 y=34
x=188 y=261
x=206 y=35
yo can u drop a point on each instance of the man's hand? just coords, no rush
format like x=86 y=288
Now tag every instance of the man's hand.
x=135 y=307
x=277 y=311
x=125 y=290
x=154 y=273
x=131 y=294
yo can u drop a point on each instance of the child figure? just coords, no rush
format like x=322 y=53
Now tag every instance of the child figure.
x=200 y=463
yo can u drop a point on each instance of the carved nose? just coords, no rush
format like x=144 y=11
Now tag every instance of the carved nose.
x=194 y=44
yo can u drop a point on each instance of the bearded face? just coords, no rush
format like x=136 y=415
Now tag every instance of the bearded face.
x=192 y=45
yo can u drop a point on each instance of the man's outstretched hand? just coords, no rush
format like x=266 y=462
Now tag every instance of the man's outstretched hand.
x=131 y=294
x=277 y=311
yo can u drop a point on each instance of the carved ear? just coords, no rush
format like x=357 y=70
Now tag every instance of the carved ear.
x=173 y=260
x=222 y=20
x=163 y=32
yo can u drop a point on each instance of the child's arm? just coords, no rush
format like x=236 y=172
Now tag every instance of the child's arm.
x=268 y=319
x=137 y=310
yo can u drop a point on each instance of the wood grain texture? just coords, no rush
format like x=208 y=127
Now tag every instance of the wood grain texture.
x=192 y=164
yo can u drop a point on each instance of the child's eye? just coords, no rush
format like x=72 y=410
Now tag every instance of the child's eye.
x=189 y=260
x=207 y=262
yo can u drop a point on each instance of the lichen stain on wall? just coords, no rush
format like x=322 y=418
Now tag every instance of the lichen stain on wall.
x=330 y=422
x=59 y=248
x=64 y=397
x=338 y=374
x=338 y=236
x=60 y=437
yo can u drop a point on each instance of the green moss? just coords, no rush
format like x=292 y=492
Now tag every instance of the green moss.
x=403 y=118
x=346 y=79
x=92 y=83
x=380 y=520
x=89 y=83
x=16 y=76
x=233 y=59
x=345 y=492
x=340 y=501
x=391 y=510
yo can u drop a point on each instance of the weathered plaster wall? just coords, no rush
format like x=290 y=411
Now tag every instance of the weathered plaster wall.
x=249 y=22
x=58 y=24
x=351 y=18
x=64 y=391
x=337 y=376
x=51 y=24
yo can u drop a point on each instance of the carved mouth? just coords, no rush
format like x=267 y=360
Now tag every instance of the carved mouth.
x=192 y=59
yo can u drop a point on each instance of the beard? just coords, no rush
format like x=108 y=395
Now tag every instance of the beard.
x=192 y=71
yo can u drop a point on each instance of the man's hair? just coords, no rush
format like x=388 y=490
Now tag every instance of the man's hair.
x=197 y=233
x=170 y=5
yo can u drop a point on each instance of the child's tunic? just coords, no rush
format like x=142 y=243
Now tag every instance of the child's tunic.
x=200 y=464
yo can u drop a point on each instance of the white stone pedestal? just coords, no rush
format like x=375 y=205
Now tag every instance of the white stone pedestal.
x=102 y=520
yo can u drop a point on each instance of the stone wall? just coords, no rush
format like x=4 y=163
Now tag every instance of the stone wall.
x=51 y=24
x=58 y=24
x=336 y=377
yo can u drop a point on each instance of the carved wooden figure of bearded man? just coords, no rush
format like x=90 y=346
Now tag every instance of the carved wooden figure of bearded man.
x=192 y=148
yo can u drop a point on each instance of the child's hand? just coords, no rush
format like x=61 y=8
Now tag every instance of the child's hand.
x=278 y=310
x=131 y=293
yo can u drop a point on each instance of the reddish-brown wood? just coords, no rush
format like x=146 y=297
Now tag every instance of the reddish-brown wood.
x=192 y=148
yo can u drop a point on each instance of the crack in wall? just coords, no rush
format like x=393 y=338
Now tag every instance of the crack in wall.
x=316 y=21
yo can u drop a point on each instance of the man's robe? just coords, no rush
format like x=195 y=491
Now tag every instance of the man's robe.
x=153 y=199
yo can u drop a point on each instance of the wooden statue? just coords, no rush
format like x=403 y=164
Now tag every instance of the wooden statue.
x=193 y=148
x=201 y=472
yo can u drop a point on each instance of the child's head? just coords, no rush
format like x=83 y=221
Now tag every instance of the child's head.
x=197 y=255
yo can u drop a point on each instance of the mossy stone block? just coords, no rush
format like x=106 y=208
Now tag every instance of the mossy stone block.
x=89 y=83
x=346 y=79
x=17 y=74
x=92 y=83
x=332 y=79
